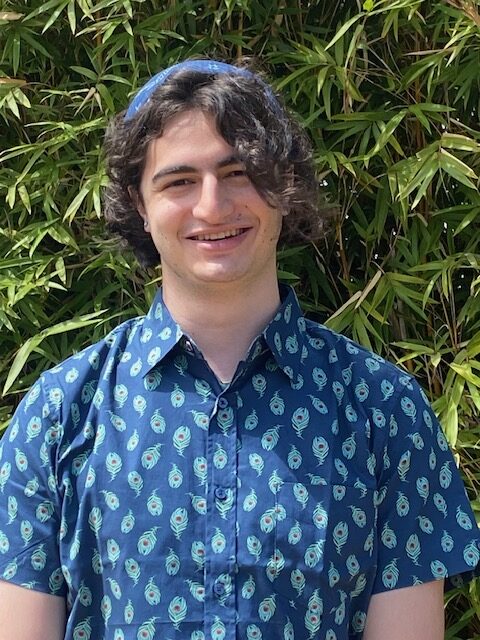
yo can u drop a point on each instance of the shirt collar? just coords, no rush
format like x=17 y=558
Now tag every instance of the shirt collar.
x=284 y=335
x=159 y=334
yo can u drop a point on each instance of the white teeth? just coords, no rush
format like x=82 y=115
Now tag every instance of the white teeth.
x=219 y=236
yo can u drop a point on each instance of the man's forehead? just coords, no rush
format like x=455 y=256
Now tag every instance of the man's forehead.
x=177 y=123
x=189 y=141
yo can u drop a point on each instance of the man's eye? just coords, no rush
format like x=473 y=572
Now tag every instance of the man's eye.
x=181 y=182
x=236 y=173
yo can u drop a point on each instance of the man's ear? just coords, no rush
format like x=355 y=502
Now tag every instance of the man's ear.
x=136 y=199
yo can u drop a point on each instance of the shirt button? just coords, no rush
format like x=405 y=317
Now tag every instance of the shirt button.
x=222 y=403
x=220 y=493
x=188 y=346
x=219 y=589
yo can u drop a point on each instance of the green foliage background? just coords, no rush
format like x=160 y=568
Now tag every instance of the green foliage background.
x=389 y=91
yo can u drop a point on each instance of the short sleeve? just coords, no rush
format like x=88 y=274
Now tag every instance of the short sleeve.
x=29 y=498
x=426 y=527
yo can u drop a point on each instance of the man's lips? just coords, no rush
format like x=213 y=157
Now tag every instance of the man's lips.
x=219 y=235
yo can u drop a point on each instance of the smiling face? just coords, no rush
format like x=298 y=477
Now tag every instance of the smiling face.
x=208 y=222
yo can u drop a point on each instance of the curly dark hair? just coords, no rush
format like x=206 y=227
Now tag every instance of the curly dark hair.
x=273 y=147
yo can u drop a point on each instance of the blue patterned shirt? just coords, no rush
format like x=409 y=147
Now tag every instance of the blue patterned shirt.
x=162 y=504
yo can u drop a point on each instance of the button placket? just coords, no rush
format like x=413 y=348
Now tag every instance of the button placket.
x=221 y=516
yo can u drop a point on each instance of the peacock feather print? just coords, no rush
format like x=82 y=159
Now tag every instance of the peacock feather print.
x=248 y=588
x=175 y=477
x=314 y=554
x=177 y=611
x=251 y=421
x=297 y=580
x=152 y=593
x=178 y=522
x=113 y=464
x=146 y=542
x=267 y=608
x=181 y=439
x=113 y=551
x=340 y=536
x=300 y=420
x=132 y=569
x=320 y=449
x=172 y=563
x=151 y=456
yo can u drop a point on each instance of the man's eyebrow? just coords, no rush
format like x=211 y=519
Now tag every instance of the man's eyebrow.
x=185 y=168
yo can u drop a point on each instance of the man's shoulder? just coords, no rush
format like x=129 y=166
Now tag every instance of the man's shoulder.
x=97 y=360
x=342 y=353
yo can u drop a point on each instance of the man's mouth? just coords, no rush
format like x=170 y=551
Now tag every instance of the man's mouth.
x=208 y=237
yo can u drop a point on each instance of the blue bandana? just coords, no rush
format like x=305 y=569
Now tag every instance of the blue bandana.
x=208 y=67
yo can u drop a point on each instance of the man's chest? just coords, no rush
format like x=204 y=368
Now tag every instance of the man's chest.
x=183 y=501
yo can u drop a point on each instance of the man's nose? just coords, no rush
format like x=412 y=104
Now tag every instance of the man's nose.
x=214 y=202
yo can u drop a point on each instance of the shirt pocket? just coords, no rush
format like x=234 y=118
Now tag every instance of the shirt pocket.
x=324 y=540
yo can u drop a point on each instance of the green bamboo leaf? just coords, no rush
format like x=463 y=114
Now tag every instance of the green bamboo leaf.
x=62 y=236
x=408 y=296
x=76 y=203
x=469 y=217
x=417 y=110
x=55 y=14
x=360 y=333
x=413 y=347
x=474 y=394
x=12 y=104
x=294 y=75
x=423 y=188
x=43 y=8
x=449 y=421
x=394 y=276
x=86 y=6
x=353 y=43
x=84 y=71
x=106 y=97
x=32 y=343
x=24 y=197
x=370 y=329
x=473 y=346
x=128 y=8
x=36 y=44
x=60 y=269
x=422 y=179
x=435 y=359
x=339 y=312
x=72 y=18
x=387 y=132
x=457 y=169
x=465 y=371
x=370 y=286
x=459 y=142
x=322 y=76
x=343 y=30
x=349 y=87
x=286 y=275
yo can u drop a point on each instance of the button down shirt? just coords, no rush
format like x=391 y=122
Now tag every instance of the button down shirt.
x=163 y=504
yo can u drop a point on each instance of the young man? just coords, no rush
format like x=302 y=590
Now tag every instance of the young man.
x=224 y=468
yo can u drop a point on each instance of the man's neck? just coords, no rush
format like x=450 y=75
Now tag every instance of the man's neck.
x=223 y=321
